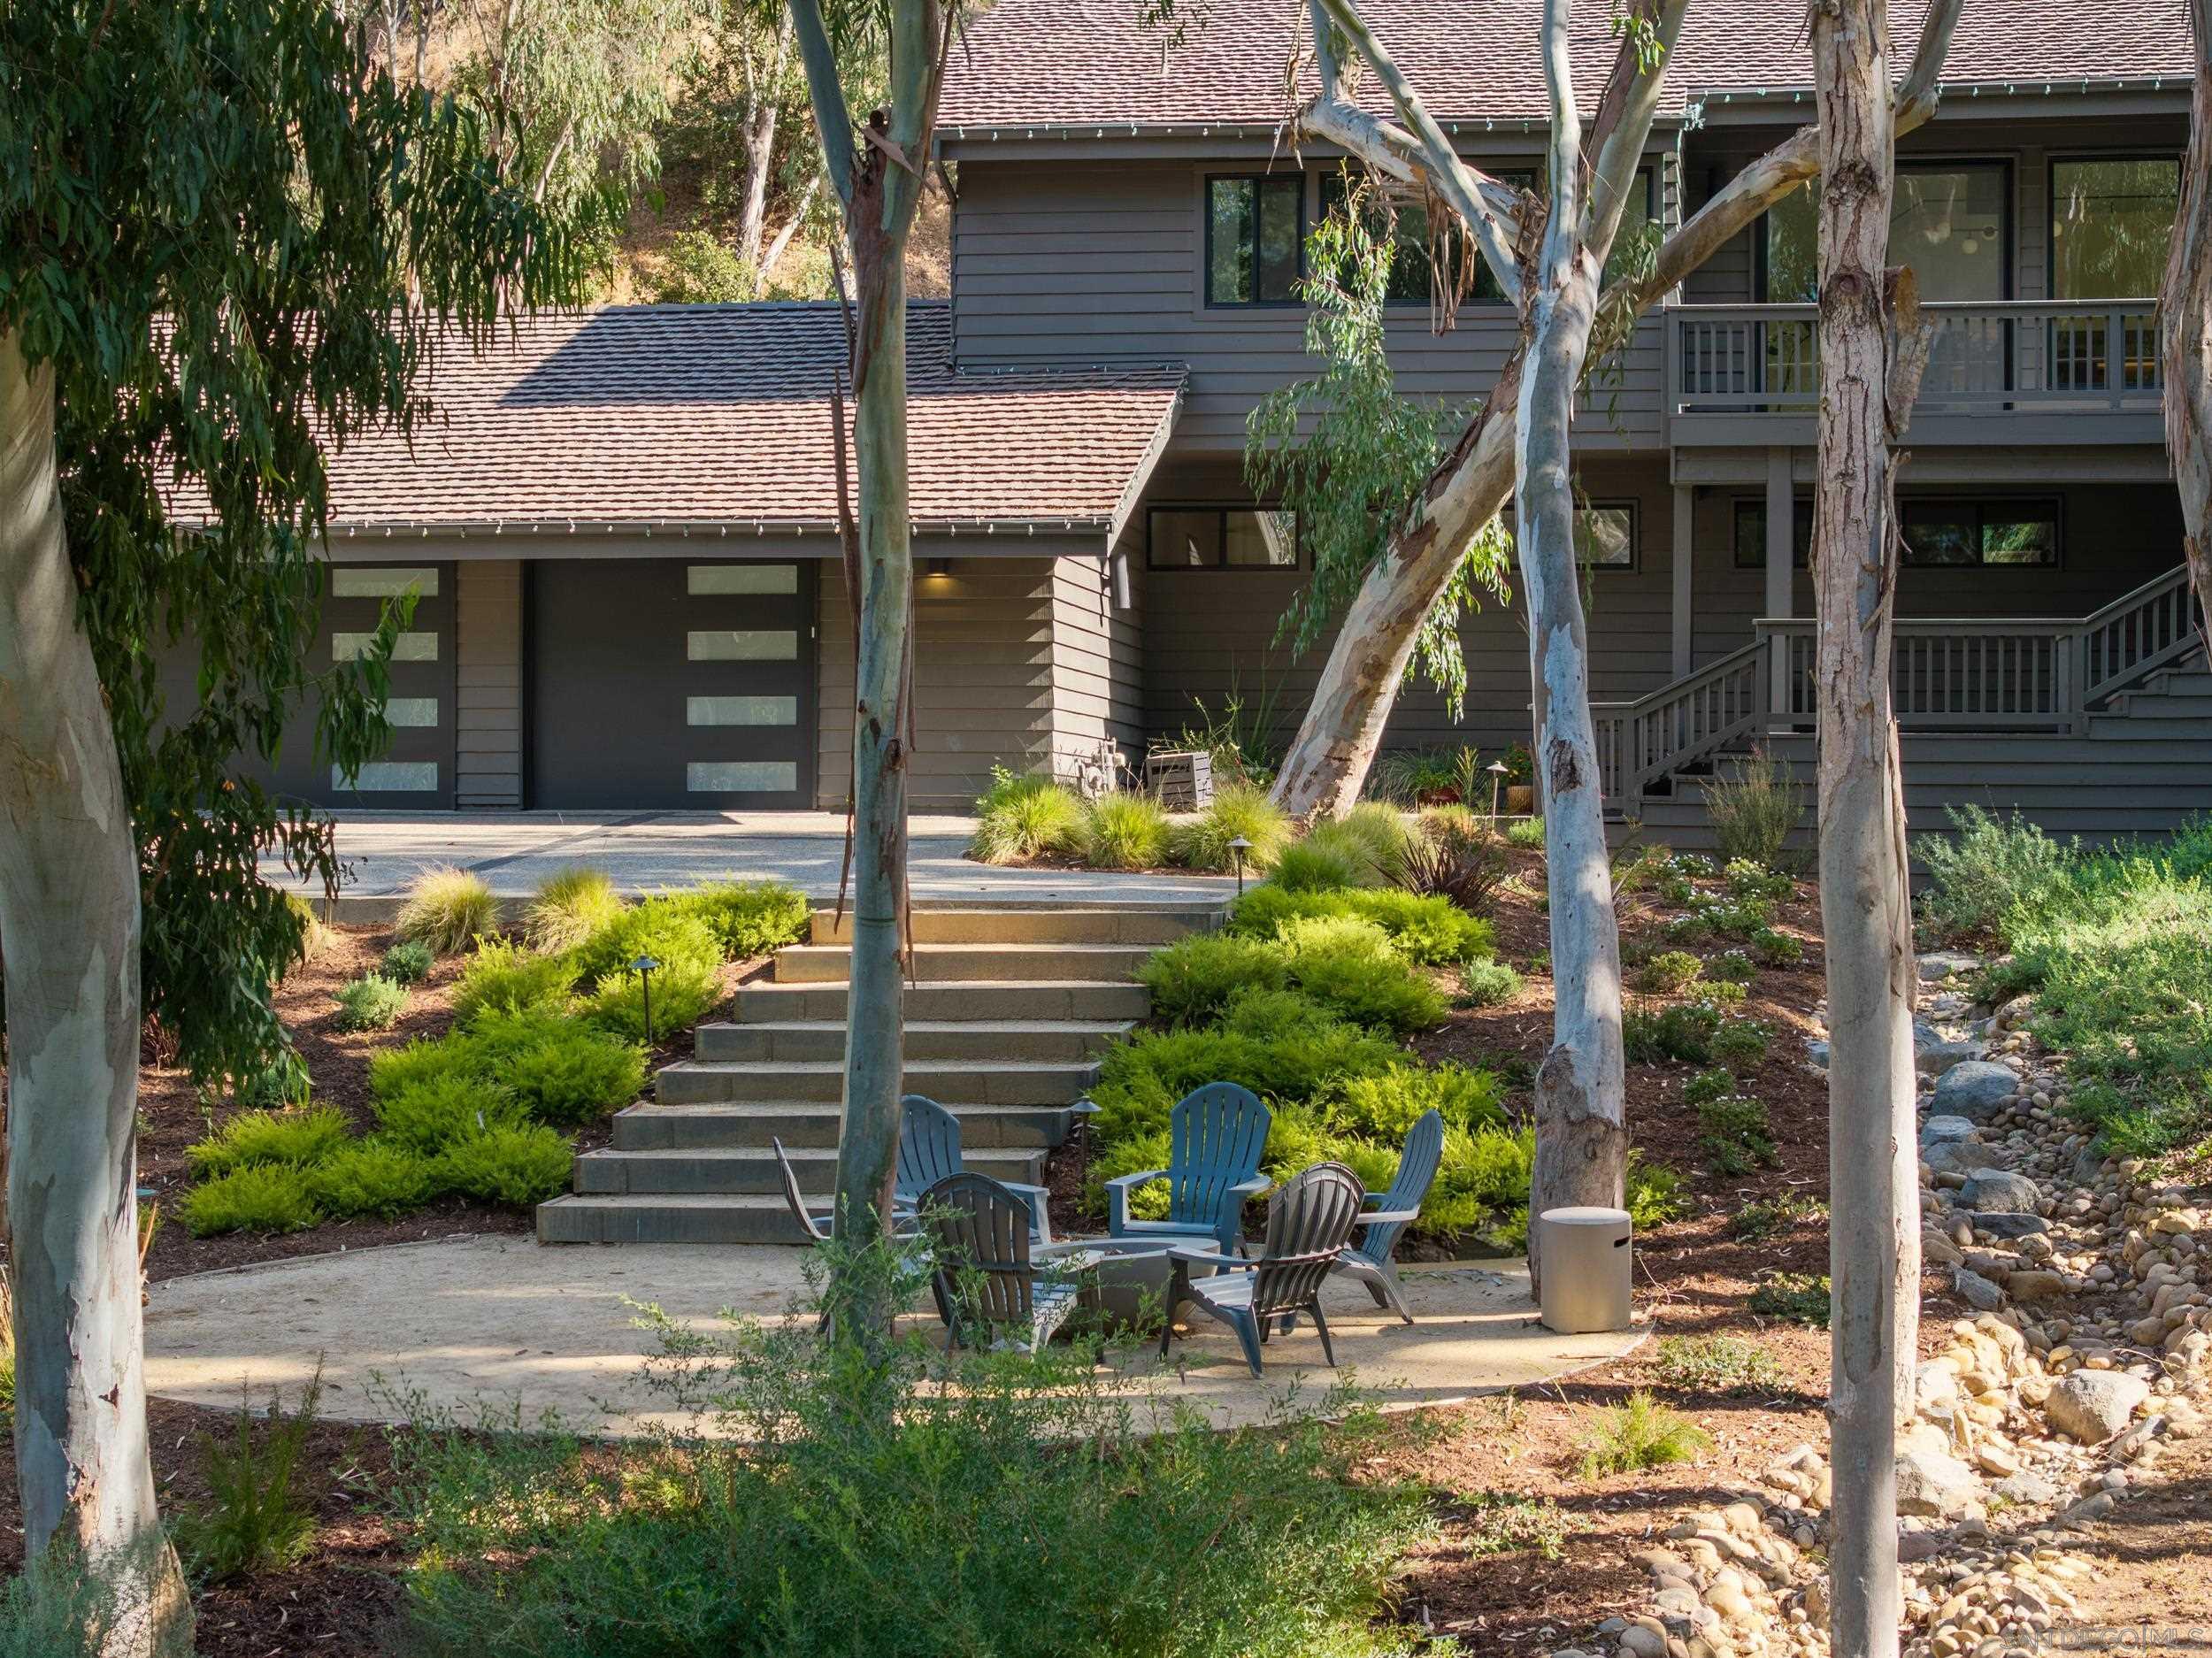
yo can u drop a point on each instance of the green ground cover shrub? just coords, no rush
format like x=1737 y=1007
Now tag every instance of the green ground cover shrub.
x=256 y=1517
x=1528 y=834
x=1767 y=1216
x=568 y=905
x=1641 y=1433
x=1025 y=816
x=1192 y=981
x=1306 y=870
x=1486 y=984
x=295 y=1136
x=1748 y=880
x=1349 y=964
x=426 y=1115
x=664 y=928
x=503 y=978
x=1732 y=967
x=1122 y=830
x=1668 y=973
x=408 y=963
x=1432 y=931
x=448 y=909
x=1371 y=838
x=571 y=1076
x=521 y=1166
x=257 y=1197
x=1984 y=867
x=373 y=1176
x=1800 y=1298
x=747 y=918
x=1717 y=1365
x=1776 y=949
x=1383 y=1104
x=1736 y=1133
x=683 y=992
x=1238 y=809
x=369 y=1003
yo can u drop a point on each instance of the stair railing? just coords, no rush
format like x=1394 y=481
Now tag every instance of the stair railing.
x=2137 y=634
x=1682 y=722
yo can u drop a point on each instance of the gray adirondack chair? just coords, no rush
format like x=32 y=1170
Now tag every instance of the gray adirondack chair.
x=986 y=1275
x=929 y=1151
x=1380 y=1227
x=1308 y=1223
x=1216 y=1136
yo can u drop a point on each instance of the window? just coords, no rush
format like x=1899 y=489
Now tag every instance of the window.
x=1255 y=237
x=1222 y=538
x=1987 y=531
x=1605 y=535
x=2111 y=220
x=1410 y=265
x=1751 y=535
x=1948 y=220
x=1636 y=228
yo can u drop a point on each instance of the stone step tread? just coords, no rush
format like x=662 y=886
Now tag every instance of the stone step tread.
x=771 y=1108
x=938 y=1027
x=965 y=947
x=750 y=1218
x=836 y=1067
x=766 y=988
x=815 y=1165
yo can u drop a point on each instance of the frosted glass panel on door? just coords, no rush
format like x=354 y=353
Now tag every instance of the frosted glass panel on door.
x=741 y=777
x=743 y=644
x=407 y=648
x=742 y=711
x=412 y=711
x=741 y=579
x=389 y=776
x=353 y=583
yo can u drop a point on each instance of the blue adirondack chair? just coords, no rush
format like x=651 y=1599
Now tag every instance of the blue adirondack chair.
x=1216 y=1136
x=929 y=1151
x=1308 y=1223
x=986 y=1275
x=1368 y=1260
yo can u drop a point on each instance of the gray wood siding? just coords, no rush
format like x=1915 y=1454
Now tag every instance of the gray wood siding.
x=488 y=695
x=1097 y=668
x=983 y=678
x=1099 y=263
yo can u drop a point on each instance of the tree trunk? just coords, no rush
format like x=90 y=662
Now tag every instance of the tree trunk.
x=1865 y=902
x=2185 y=314
x=69 y=933
x=752 y=227
x=1581 y=1125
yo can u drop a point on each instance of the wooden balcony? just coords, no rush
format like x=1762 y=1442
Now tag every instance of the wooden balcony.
x=2011 y=373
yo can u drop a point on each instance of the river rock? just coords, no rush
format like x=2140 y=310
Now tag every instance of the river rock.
x=1960 y=1157
x=2027 y=1487
x=2005 y=1224
x=1937 y=965
x=1936 y=1130
x=1934 y=1052
x=1977 y=1291
x=1975 y=1089
x=2094 y=1405
x=1998 y=1191
x=1931 y=1483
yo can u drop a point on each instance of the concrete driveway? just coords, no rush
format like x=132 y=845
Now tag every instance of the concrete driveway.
x=647 y=851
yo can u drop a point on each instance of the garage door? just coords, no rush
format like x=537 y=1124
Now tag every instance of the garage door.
x=415 y=772
x=666 y=684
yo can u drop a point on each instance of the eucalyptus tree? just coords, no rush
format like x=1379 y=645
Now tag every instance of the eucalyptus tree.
x=876 y=166
x=227 y=241
x=1424 y=560
x=2185 y=316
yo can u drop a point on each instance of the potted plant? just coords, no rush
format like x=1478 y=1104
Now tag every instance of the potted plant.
x=1520 y=781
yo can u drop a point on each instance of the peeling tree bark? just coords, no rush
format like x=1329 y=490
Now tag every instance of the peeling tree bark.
x=69 y=936
x=2185 y=312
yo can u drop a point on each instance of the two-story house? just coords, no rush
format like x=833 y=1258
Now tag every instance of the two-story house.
x=625 y=543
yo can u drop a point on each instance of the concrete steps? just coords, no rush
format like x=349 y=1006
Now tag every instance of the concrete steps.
x=1011 y=1010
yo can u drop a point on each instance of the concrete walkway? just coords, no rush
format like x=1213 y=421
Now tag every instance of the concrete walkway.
x=502 y=1320
x=646 y=851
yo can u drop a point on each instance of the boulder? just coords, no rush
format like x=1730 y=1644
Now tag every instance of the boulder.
x=1938 y=965
x=2007 y=1224
x=1931 y=1483
x=2092 y=1405
x=1960 y=1158
x=2027 y=1487
x=1934 y=1052
x=1999 y=1191
x=1977 y=1291
x=2035 y=1284
x=1818 y=1053
x=1975 y=1089
x=1938 y=1129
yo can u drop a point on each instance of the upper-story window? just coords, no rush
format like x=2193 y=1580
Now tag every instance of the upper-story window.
x=2111 y=220
x=1950 y=220
x=1221 y=538
x=1941 y=531
x=1255 y=233
x=1605 y=535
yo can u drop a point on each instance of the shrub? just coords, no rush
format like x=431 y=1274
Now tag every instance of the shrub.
x=1733 y=967
x=1799 y=1297
x=1984 y=867
x=256 y=1519
x=663 y=928
x=1022 y=817
x=1428 y=930
x=521 y=1166
x=1308 y=869
x=369 y=1176
x=1668 y=973
x=1526 y=833
x=1741 y=1042
x=446 y=909
x=1349 y=965
x=1125 y=832
x=423 y=1060
x=295 y=1138
x=1383 y=1105
x=1682 y=1030
x=1737 y=1132
x=1717 y=1365
x=1709 y=1085
x=1655 y=1193
x=747 y=918
x=1371 y=837
x=1640 y=1434
x=1139 y=1081
x=427 y=1115
x=1482 y=1182
x=567 y=908
x=1755 y=810
x=1192 y=979
x=1756 y=1221
x=1776 y=950
x=316 y=934
x=1505 y=1524
x=259 y=1197
x=1486 y=984
x=1747 y=880
x=369 y=1003
x=1461 y=866
x=684 y=993
x=408 y=963
x=503 y=978
x=575 y=1076
x=1239 y=810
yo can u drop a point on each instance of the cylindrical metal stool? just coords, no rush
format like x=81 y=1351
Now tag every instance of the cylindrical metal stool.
x=1587 y=1257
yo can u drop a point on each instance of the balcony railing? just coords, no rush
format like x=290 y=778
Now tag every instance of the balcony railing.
x=2019 y=356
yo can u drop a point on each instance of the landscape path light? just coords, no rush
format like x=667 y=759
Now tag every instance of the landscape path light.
x=643 y=968
x=1238 y=847
x=1496 y=769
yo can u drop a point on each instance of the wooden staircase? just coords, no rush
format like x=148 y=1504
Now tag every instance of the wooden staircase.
x=1009 y=1013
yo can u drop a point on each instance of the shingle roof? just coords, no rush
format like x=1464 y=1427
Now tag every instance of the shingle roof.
x=1092 y=62
x=720 y=414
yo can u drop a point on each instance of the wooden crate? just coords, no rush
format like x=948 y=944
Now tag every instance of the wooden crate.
x=1181 y=782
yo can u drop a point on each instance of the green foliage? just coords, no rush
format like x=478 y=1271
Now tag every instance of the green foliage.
x=698 y=268
x=1526 y=833
x=1505 y=1523
x=448 y=909
x=1749 y=879
x=1409 y=775
x=1800 y=1298
x=1243 y=739
x=408 y=963
x=1668 y=973
x=747 y=918
x=1717 y=1365
x=1351 y=966
x=1432 y=931
x=1641 y=1433
x=294 y=1137
x=1237 y=811
x=1192 y=980
x=1754 y=810
x=573 y=1076
x=1655 y=1193
x=294 y=202
x=257 y=1197
x=1461 y=864
x=1309 y=869
x=426 y=1116
x=64 y=1605
x=1741 y=1042
x=521 y=1166
x=1125 y=832
x=257 y=1518
x=1486 y=984
x=1682 y=1030
x=316 y=935
x=1016 y=1504
x=1139 y=1081
x=1733 y=967
x=507 y=979
x=1767 y=1216
x=1986 y=867
x=567 y=908
x=369 y=1003
x=1349 y=456
x=665 y=928
x=1371 y=837
x=368 y=1176
x=1737 y=1132
x=683 y=994
x=1024 y=818
x=1776 y=950
x=1383 y=1105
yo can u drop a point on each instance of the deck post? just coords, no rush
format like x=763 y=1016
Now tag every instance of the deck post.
x=1781 y=539
x=1685 y=498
